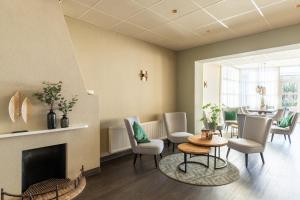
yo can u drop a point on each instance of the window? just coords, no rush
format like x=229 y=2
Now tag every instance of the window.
x=230 y=86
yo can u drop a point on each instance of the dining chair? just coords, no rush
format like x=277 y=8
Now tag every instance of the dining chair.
x=154 y=147
x=176 y=125
x=255 y=133
x=285 y=131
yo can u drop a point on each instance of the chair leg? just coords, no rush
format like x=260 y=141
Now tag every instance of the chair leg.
x=221 y=133
x=134 y=160
x=284 y=137
x=228 y=151
x=272 y=137
x=246 y=160
x=262 y=157
x=140 y=156
x=290 y=139
x=168 y=141
x=173 y=147
x=160 y=155
x=155 y=161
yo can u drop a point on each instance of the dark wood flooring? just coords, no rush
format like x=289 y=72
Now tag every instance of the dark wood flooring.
x=278 y=179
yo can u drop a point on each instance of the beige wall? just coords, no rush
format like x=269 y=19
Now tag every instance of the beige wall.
x=110 y=64
x=211 y=74
x=186 y=86
x=35 y=47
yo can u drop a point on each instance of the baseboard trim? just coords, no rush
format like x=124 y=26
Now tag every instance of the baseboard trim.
x=92 y=172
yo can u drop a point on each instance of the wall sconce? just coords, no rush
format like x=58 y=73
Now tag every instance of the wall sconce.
x=144 y=75
x=205 y=84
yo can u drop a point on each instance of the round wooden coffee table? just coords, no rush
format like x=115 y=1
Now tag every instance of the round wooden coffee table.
x=216 y=142
x=188 y=148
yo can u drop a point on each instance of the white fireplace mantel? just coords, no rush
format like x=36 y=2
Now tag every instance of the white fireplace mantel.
x=36 y=132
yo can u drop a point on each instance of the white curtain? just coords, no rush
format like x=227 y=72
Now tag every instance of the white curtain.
x=230 y=86
x=252 y=77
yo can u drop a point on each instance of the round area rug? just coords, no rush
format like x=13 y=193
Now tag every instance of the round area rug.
x=198 y=174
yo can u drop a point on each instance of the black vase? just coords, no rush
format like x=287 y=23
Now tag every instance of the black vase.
x=51 y=120
x=64 y=121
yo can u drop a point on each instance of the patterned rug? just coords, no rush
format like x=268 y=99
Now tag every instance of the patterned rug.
x=198 y=174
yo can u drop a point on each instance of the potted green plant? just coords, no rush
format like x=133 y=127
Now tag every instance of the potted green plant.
x=50 y=94
x=66 y=106
x=212 y=113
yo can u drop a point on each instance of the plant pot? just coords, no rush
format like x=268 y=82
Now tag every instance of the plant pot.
x=212 y=127
x=64 y=121
x=51 y=119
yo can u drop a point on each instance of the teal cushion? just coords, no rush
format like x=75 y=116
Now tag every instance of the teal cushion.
x=286 y=121
x=139 y=133
x=230 y=115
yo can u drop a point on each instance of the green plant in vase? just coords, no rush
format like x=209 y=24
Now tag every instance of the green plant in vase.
x=212 y=113
x=66 y=106
x=50 y=94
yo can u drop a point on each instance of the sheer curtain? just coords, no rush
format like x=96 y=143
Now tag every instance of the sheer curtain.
x=230 y=86
x=252 y=77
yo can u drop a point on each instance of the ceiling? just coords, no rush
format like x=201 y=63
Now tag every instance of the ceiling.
x=274 y=59
x=182 y=24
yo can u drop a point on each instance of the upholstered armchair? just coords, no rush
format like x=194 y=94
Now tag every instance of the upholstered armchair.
x=176 y=125
x=285 y=131
x=154 y=147
x=278 y=115
x=255 y=133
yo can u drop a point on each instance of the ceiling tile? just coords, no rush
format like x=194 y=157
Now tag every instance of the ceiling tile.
x=173 y=31
x=88 y=3
x=205 y=3
x=247 y=23
x=183 y=7
x=121 y=10
x=147 y=3
x=72 y=8
x=195 y=20
x=230 y=8
x=99 y=19
x=283 y=14
x=214 y=32
x=262 y=3
x=127 y=29
x=147 y=19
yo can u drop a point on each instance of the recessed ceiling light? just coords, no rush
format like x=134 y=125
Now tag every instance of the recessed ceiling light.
x=174 y=11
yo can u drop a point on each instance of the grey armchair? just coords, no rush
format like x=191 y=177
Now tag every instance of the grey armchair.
x=285 y=131
x=255 y=133
x=154 y=147
x=176 y=124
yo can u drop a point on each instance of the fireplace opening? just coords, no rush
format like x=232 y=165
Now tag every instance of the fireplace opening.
x=42 y=164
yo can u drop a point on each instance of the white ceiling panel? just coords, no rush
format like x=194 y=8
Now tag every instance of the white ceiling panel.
x=147 y=19
x=121 y=10
x=247 y=23
x=279 y=14
x=166 y=7
x=197 y=22
x=230 y=8
x=195 y=19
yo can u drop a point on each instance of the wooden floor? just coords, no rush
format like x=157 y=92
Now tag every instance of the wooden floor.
x=278 y=179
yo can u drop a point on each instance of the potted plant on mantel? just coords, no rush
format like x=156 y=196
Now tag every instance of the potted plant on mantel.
x=212 y=115
x=50 y=95
x=66 y=106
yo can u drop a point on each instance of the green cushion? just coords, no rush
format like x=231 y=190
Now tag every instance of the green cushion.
x=230 y=115
x=286 y=121
x=139 y=133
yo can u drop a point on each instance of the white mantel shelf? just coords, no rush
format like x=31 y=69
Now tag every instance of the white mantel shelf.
x=37 y=132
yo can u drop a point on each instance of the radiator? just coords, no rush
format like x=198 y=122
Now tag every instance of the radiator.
x=118 y=136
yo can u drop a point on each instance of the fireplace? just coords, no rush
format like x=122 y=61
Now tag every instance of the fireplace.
x=42 y=164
